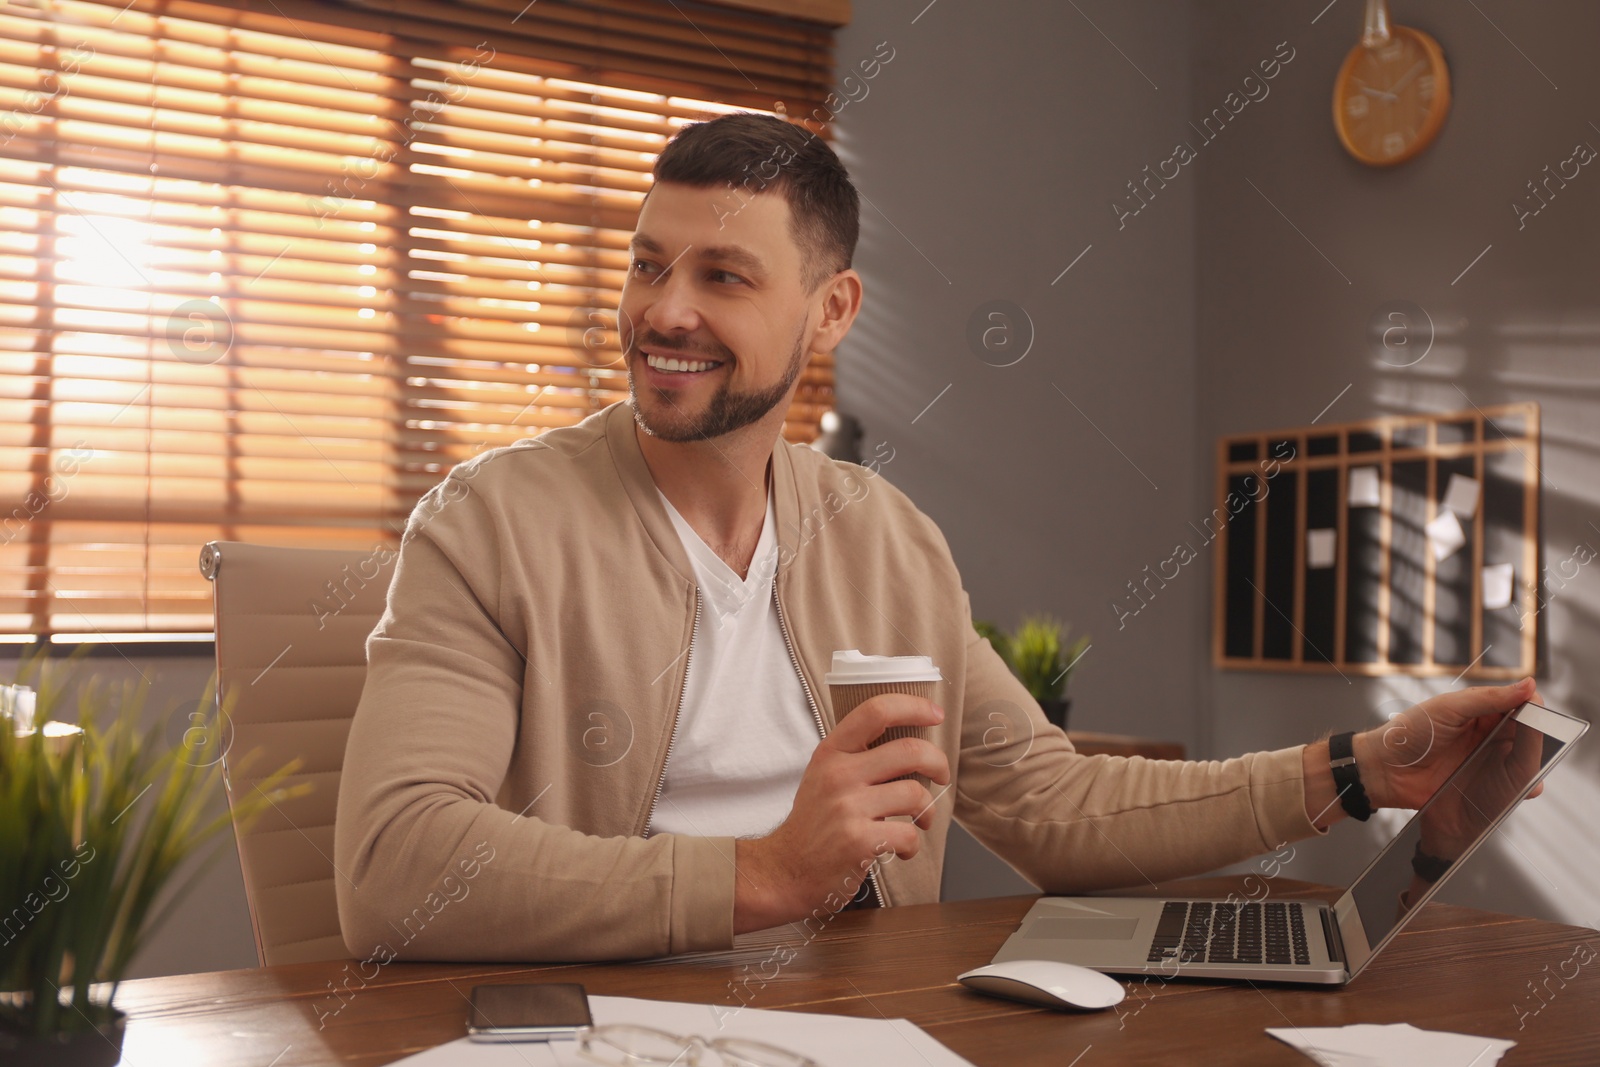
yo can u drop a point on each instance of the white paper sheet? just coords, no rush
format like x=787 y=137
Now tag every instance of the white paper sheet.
x=1397 y=1044
x=1461 y=495
x=1365 y=490
x=1497 y=584
x=834 y=1040
x=1322 y=548
x=1445 y=535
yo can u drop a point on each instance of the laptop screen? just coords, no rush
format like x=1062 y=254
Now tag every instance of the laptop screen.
x=1470 y=804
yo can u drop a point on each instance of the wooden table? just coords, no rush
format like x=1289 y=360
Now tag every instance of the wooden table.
x=1453 y=969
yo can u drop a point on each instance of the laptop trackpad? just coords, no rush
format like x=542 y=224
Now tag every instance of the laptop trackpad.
x=1081 y=928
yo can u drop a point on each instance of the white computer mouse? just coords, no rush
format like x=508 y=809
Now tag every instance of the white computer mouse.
x=1046 y=982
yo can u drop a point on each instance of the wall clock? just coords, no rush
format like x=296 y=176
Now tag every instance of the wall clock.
x=1392 y=93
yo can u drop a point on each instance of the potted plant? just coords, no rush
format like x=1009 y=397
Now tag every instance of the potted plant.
x=1038 y=656
x=95 y=820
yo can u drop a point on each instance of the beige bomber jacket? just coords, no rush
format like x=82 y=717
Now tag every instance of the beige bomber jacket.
x=524 y=680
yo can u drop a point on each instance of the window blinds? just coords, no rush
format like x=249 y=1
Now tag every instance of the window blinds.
x=268 y=271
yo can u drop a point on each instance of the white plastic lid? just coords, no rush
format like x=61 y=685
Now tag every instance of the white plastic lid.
x=851 y=667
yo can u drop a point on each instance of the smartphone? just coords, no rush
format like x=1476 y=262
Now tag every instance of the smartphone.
x=528 y=1011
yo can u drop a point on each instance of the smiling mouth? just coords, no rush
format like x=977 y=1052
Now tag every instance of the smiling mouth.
x=680 y=366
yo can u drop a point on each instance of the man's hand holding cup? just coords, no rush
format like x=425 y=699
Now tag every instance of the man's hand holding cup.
x=866 y=793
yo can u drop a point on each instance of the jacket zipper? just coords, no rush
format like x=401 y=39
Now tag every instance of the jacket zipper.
x=822 y=731
x=661 y=779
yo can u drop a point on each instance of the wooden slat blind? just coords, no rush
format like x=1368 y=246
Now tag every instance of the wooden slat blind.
x=268 y=271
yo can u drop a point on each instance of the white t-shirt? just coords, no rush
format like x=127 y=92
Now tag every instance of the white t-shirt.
x=745 y=731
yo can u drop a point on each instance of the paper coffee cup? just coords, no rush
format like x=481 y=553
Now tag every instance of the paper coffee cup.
x=857 y=678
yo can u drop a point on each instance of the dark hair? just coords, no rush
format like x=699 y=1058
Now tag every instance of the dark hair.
x=752 y=153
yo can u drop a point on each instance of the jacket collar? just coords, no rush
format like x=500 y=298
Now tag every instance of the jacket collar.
x=623 y=443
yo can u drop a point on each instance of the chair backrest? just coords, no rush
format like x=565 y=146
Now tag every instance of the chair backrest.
x=291 y=627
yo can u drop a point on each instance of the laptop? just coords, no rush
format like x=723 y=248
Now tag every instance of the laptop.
x=1260 y=938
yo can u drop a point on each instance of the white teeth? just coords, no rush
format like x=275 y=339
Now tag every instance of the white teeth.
x=677 y=365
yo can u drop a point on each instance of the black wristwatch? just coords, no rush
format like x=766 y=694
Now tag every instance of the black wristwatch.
x=1429 y=868
x=1347 y=776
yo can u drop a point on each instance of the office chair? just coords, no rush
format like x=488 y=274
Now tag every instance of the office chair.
x=291 y=626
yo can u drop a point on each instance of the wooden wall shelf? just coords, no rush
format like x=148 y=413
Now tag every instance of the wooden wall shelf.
x=1335 y=546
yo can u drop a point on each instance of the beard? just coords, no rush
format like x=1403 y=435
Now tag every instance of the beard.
x=727 y=409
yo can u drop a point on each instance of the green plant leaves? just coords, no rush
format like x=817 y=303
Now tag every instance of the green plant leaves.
x=93 y=828
x=1036 y=655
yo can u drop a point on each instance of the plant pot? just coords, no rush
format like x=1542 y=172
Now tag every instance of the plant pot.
x=88 y=1048
x=1056 y=711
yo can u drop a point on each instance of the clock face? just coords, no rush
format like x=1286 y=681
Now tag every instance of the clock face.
x=1391 y=99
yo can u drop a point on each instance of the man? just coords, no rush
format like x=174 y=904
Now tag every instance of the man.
x=595 y=724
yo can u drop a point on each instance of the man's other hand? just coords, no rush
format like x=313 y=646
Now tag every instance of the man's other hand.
x=1406 y=760
x=841 y=819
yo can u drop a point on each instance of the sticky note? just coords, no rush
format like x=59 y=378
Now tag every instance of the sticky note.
x=1321 y=548
x=1445 y=535
x=1365 y=487
x=1461 y=495
x=1497 y=583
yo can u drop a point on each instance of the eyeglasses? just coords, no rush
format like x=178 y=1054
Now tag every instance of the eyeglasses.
x=624 y=1045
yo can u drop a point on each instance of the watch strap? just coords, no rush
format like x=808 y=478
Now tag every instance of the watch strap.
x=1428 y=868
x=1347 y=776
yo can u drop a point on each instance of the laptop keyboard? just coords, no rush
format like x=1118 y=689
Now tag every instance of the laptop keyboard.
x=1202 y=931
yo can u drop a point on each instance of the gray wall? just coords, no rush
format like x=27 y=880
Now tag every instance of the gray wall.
x=988 y=152
x=995 y=145
x=1281 y=333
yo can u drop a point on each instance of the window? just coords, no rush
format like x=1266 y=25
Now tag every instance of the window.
x=267 y=272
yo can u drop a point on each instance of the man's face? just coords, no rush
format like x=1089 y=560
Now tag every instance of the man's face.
x=722 y=302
